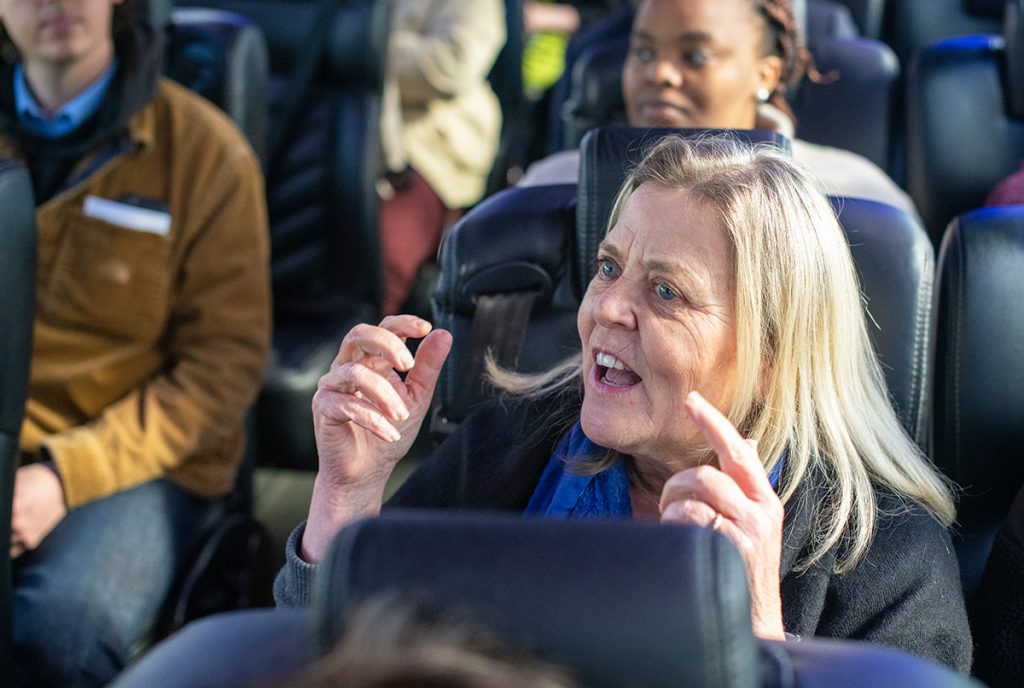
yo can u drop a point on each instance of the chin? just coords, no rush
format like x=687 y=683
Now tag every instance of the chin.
x=610 y=433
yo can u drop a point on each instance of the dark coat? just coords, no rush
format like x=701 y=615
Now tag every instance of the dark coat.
x=998 y=613
x=905 y=592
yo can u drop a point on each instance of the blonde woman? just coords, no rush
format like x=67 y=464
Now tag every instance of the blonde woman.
x=726 y=380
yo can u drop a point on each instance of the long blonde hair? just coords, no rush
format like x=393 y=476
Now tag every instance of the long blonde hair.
x=808 y=380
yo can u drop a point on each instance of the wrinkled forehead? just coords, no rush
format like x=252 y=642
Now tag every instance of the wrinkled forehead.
x=674 y=230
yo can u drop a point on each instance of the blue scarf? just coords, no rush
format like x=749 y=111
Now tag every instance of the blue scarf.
x=562 y=494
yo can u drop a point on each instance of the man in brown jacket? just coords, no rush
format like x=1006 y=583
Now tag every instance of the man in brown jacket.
x=151 y=333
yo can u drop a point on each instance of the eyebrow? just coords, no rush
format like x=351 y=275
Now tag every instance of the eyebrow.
x=687 y=37
x=698 y=275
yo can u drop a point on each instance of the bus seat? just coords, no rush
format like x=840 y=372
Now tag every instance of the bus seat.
x=17 y=275
x=978 y=423
x=965 y=120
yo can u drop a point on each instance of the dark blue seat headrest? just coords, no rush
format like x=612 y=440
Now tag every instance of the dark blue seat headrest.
x=979 y=380
x=620 y=602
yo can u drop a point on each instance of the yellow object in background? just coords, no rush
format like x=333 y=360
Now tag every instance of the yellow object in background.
x=543 y=61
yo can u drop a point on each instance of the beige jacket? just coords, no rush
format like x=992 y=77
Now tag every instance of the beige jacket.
x=440 y=114
x=150 y=345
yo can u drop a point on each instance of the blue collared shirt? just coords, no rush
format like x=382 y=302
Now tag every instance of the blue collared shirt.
x=560 y=493
x=70 y=116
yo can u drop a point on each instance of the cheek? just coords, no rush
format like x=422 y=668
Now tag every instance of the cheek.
x=585 y=318
x=685 y=356
x=630 y=82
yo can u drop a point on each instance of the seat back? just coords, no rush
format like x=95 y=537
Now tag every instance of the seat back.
x=322 y=201
x=220 y=55
x=910 y=26
x=978 y=425
x=895 y=264
x=867 y=14
x=851 y=112
x=965 y=121
x=854 y=111
x=17 y=277
x=516 y=243
x=506 y=79
x=620 y=602
x=541 y=241
x=849 y=664
x=223 y=57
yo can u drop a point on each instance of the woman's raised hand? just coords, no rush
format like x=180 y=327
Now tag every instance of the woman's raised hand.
x=737 y=500
x=366 y=417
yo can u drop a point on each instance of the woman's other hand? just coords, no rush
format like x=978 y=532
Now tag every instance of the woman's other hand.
x=737 y=500
x=366 y=417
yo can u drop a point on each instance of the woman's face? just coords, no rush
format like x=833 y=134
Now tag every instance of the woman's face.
x=657 y=321
x=696 y=63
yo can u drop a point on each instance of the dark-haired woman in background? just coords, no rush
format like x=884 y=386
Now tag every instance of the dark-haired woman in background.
x=725 y=64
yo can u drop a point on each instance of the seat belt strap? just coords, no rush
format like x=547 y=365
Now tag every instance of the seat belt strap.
x=499 y=327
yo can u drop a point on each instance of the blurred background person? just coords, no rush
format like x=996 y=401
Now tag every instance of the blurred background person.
x=151 y=334
x=441 y=127
x=725 y=64
x=391 y=643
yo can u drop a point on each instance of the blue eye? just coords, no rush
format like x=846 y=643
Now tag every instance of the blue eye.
x=665 y=292
x=607 y=269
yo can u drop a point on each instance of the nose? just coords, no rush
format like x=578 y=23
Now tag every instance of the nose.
x=664 y=71
x=616 y=305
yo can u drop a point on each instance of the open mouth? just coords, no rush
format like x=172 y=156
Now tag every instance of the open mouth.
x=613 y=372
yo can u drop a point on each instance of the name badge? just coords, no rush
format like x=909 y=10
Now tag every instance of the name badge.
x=128 y=215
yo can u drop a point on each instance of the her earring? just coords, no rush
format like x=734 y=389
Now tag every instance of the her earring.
x=763 y=94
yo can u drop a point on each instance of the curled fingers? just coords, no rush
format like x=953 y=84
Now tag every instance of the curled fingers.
x=354 y=392
x=381 y=347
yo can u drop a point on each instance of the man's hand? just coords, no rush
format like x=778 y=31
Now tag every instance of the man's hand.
x=38 y=507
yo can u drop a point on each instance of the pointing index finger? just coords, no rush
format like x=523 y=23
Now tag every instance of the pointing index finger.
x=737 y=457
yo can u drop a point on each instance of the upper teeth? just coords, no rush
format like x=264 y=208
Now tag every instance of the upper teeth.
x=609 y=361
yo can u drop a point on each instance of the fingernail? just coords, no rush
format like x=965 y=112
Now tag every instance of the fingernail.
x=393 y=433
x=407 y=360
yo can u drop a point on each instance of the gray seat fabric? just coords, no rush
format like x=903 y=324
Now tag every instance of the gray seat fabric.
x=979 y=380
x=17 y=277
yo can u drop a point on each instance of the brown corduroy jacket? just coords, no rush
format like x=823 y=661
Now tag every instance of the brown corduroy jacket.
x=151 y=337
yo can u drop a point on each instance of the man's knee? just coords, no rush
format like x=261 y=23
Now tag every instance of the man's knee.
x=65 y=639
